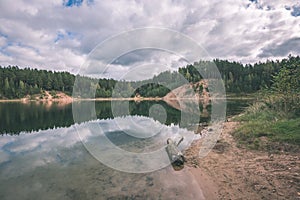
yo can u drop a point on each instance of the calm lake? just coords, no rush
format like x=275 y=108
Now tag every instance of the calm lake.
x=44 y=154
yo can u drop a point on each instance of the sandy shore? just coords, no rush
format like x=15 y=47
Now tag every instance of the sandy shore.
x=229 y=172
x=70 y=99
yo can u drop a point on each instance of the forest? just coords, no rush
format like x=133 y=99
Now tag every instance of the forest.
x=272 y=122
x=18 y=82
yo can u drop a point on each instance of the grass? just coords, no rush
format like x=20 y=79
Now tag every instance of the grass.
x=287 y=131
x=241 y=95
x=264 y=129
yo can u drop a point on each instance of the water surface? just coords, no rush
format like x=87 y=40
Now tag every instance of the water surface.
x=42 y=155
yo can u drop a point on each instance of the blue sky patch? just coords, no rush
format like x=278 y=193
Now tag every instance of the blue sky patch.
x=70 y=3
x=296 y=11
x=61 y=35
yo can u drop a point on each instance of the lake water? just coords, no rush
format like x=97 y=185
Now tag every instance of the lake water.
x=44 y=154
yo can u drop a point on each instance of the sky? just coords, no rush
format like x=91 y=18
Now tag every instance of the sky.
x=61 y=34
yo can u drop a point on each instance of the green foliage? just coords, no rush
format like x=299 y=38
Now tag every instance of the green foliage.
x=265 y=129
x=273 y=124
x=17 y=83
x=287 y=131
x=191 y=72
x=238 y=78
x=247 y=78
x=285 y=94
x=152 y=90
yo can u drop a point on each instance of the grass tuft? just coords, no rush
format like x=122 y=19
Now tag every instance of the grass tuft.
x=264 y=129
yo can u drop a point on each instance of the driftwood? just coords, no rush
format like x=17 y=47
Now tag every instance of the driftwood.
x=175 y=155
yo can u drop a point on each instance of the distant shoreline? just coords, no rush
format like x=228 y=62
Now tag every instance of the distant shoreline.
x=117 y=99
x=182 y=93
x=85 y=99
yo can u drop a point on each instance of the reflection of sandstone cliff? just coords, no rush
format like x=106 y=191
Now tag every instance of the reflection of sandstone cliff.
x=186 y=97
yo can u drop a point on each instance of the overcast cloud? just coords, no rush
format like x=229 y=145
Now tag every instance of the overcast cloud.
x=59 y=35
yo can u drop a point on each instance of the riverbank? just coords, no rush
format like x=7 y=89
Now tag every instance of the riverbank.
x=231 y=172
x=115 y=99
x=45 y=96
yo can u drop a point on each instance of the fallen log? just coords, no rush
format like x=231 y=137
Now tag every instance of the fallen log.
x=175 y=155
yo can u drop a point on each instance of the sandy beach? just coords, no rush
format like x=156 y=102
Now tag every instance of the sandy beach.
x=229 y=172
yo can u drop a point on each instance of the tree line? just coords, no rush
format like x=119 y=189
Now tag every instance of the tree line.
x=238 y=78
x=283 y=96
x=17 y=83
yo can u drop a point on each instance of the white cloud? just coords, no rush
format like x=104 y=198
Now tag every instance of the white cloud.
x=27 y=151
x=233 y=29
x=2 y=41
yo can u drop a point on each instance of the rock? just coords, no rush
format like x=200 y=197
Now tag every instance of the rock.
x=271 y=156
x=259 y=187
x=149 y=181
